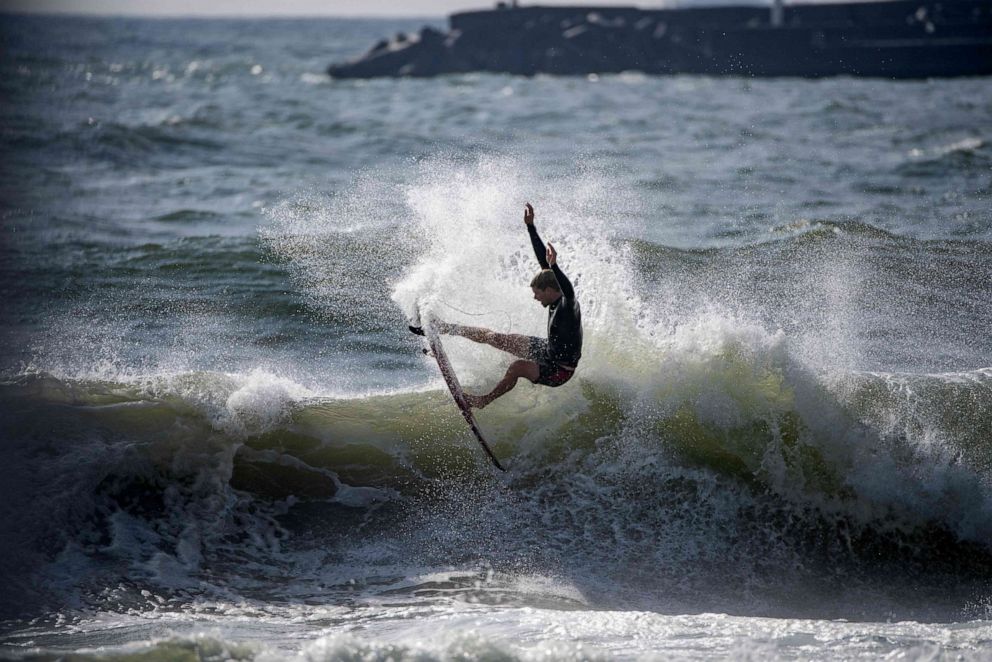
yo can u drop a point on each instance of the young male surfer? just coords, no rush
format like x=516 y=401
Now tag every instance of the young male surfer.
x=550 y=362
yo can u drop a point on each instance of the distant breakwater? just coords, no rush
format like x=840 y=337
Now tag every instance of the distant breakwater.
x=896 y=39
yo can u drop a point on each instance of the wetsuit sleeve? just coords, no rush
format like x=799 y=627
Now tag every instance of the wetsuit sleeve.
x=539 y=250
x=564 y=284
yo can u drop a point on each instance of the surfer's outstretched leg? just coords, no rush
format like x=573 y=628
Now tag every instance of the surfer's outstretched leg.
x=513 y=343
x=519 y=368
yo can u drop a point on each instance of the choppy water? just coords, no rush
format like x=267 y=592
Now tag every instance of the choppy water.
x=219 y=440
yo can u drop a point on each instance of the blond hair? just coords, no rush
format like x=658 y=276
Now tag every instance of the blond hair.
x=545 y=279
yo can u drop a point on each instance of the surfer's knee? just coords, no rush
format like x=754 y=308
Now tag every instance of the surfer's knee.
x=524 y=368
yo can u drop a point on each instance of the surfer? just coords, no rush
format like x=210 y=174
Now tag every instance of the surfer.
x=551 y=361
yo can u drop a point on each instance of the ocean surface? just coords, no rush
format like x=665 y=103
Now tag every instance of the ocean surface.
x=219 y=441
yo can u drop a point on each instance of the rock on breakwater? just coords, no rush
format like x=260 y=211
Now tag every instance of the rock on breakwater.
x=896 y=39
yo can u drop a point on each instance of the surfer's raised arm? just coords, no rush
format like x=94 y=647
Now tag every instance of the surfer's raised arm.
x=547 y=257
x=535 y=240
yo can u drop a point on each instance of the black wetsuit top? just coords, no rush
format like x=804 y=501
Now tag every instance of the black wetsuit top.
x=564 y=315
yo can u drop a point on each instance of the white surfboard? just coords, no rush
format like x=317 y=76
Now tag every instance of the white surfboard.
x=451 y=379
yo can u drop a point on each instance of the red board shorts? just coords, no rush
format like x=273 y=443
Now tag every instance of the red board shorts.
x=549 y=372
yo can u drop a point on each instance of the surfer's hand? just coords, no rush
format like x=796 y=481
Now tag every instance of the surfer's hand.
x=528 y=214
x=552 y=255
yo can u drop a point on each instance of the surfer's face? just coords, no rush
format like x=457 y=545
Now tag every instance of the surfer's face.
x=546 y=295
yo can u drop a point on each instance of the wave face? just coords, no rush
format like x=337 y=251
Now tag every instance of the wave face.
x=744 y=476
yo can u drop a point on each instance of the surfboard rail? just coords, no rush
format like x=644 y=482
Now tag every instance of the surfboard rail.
x=454 y=387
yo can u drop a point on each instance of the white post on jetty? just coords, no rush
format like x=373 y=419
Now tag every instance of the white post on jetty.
x=778 y=13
